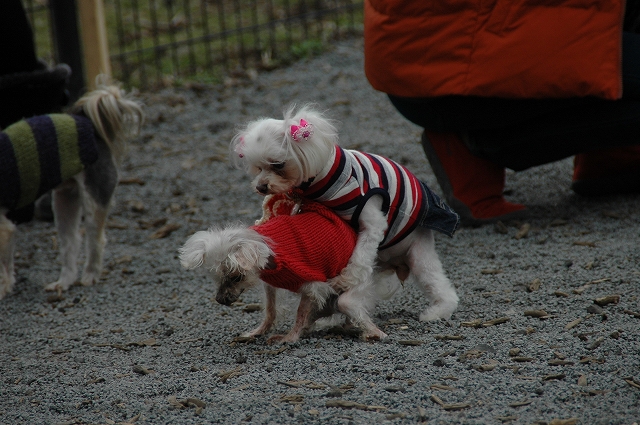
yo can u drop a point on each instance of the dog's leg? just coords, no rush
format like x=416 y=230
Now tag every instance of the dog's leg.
x=303 y=316
x=95 y=240
x=100 y=182
x=7 y=247
x=67 y=210
x=426 y=267
x=269 y=313
x=357 y=278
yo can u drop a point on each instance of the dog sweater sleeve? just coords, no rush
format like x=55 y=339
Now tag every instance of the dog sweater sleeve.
x=39 y=153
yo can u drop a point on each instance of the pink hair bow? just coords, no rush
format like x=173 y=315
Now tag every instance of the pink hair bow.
x=302 y=131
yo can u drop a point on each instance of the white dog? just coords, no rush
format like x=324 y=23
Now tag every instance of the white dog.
x=393 y=211
x=298 y=252
x=74 y=154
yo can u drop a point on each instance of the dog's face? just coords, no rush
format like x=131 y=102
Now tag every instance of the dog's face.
x=232 y=283
x=268 y=158
x=282 y=154
x=234 y=256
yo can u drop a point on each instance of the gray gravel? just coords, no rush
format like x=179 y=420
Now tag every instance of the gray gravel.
x=149 y=336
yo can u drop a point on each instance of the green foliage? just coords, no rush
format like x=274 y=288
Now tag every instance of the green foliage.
x=159 y=42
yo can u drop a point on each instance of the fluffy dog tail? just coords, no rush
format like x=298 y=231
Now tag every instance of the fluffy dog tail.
x=115 y=117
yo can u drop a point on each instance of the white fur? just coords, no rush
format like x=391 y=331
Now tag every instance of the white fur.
x=115 y=119
x=278 y=163
x=235 y=256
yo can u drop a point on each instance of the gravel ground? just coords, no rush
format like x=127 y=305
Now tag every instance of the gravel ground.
x=149 y=345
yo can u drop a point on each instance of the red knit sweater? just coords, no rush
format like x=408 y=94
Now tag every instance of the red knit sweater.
x=314 y=245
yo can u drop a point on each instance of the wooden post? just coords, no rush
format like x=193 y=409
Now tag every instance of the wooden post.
x=94 y=40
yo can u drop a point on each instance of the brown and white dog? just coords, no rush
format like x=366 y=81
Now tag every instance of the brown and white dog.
x=75 y=155
x=298 y=252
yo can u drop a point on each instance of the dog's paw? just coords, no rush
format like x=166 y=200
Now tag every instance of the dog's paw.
x=88 y=279
x=252 y=334
x=374 y=335
x=283 y=338
x=6 y=285
x=4 y=290
x=58 y=286
x=438 y=311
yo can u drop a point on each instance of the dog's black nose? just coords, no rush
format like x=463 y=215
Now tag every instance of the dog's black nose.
x=262 y=188
x=225 y=299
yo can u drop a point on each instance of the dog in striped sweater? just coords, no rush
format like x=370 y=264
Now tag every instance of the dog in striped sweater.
x=75 y=155
x=394 y=213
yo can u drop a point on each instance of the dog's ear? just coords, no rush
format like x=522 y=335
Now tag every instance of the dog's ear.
x=243 y=258
x=252 y=253
x=193 y=252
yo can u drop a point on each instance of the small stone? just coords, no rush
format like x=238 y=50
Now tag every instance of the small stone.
x=582 y=380
x=594 y=309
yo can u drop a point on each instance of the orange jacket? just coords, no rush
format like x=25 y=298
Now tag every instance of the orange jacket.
x=500 y=48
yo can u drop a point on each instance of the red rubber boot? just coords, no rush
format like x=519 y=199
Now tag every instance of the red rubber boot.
x=472 y=186
x=607 y=171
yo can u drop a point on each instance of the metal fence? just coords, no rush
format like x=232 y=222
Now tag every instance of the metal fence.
x=159 y=42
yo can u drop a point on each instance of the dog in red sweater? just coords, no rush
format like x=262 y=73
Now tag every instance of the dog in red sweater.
x=296 y=246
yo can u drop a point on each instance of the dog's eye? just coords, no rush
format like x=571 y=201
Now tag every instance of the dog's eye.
x=235 y=279
x=278 y=166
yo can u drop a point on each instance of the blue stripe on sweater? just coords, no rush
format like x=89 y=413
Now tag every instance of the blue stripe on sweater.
x=45 y=133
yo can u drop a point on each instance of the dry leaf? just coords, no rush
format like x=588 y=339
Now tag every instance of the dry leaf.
x=449 y=337
x=345 y=404
x=633 y=313
x=585 y=243
x=494 y=322
x=571 y=421
x=475 y=323
x=141 y=370
x=595 y=344
x=293 y=399
x=609 y=299
x=534 y=285
x=520 y=403
x=559 y=362
x=412 y=342
x=573 y=324
x=251 y=308
x=553 y=376
x=523 y=231
x=132 y=180
x=631 y=381
x=228 y=374
x=165 y=231
x=442 y=387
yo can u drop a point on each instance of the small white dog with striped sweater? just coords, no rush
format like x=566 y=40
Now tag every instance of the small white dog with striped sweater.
x=394 y=213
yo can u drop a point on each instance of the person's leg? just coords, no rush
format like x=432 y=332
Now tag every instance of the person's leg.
x=616 y=170
x=27 y=87
x=521 y=133
x=17 y=49
x=471 y=185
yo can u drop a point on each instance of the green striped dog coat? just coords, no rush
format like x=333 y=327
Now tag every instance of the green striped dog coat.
x=39 y=153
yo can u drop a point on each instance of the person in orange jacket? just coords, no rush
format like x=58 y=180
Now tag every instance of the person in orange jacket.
x=512 y=84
